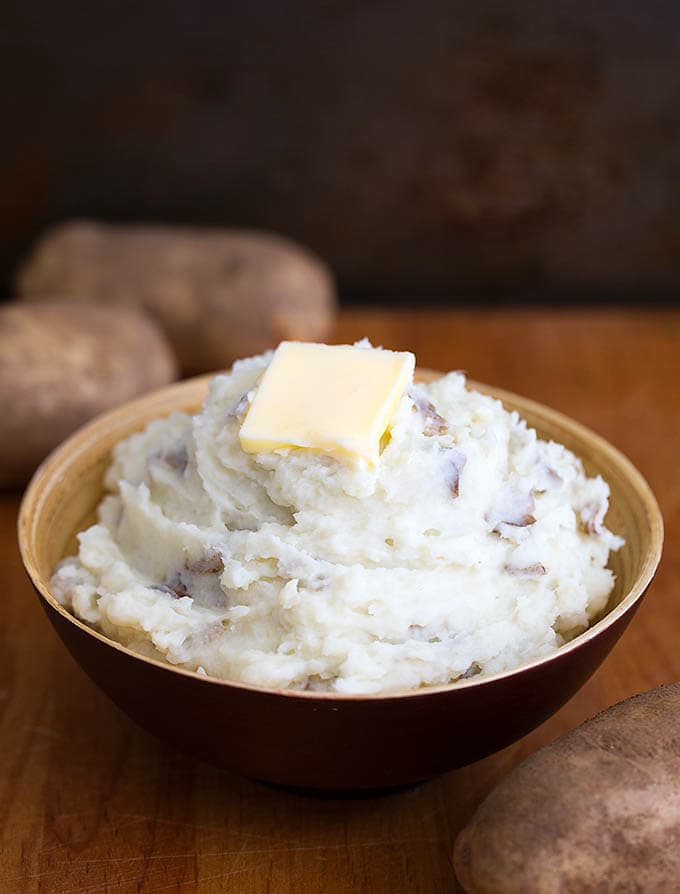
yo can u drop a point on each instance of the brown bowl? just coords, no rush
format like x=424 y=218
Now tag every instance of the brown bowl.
x=319 y=740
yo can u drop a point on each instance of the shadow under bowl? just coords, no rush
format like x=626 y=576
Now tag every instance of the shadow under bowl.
x=316 y=740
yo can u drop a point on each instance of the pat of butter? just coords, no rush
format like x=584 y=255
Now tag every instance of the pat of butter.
x=335 y=398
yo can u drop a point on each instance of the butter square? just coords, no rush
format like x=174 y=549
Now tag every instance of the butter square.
x=338 y=399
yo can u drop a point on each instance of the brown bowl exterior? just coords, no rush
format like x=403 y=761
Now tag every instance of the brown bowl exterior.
x=335 y=743
x=317 y=740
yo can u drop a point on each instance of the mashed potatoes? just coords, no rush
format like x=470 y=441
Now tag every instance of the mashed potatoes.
x=470 y=548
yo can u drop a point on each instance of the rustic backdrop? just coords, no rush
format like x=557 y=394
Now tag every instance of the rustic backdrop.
x=427 y=149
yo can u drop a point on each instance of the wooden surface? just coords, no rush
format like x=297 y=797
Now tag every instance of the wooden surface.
x=90 y=803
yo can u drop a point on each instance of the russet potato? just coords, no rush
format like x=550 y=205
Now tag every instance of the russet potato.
x=218 y=294
x=62 y=363
x=598 y=810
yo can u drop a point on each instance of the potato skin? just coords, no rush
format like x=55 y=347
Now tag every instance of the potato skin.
x=218 y=294
x=61 y=364
x=596 y=811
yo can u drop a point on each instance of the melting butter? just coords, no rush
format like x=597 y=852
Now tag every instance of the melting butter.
x=336 y=398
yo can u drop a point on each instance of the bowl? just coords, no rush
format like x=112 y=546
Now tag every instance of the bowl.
x=322 y=740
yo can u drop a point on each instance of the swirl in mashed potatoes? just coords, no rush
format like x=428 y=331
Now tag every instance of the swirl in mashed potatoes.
x=471 y=547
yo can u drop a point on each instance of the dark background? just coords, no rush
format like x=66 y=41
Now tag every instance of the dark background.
x=430 y=151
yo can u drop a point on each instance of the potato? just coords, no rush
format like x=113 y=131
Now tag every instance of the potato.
x=598 y=810
x=61 y=364
x=219 y=294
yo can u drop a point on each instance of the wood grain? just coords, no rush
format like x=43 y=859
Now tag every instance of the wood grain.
x=89 y=802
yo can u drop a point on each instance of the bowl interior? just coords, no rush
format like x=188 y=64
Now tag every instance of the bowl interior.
x=62 y=497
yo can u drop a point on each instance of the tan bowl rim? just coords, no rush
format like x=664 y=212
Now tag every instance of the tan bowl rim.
x=82 y=439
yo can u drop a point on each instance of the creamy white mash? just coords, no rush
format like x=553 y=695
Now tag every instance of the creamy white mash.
x=470 y=548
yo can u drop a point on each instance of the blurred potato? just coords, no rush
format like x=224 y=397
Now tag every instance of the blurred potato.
x=62 y=363
x=218 y=294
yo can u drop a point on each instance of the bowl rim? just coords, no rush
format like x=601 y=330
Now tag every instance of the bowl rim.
x=80 y=441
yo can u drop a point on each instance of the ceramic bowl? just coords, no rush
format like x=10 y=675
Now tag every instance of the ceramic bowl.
x=319 y=740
